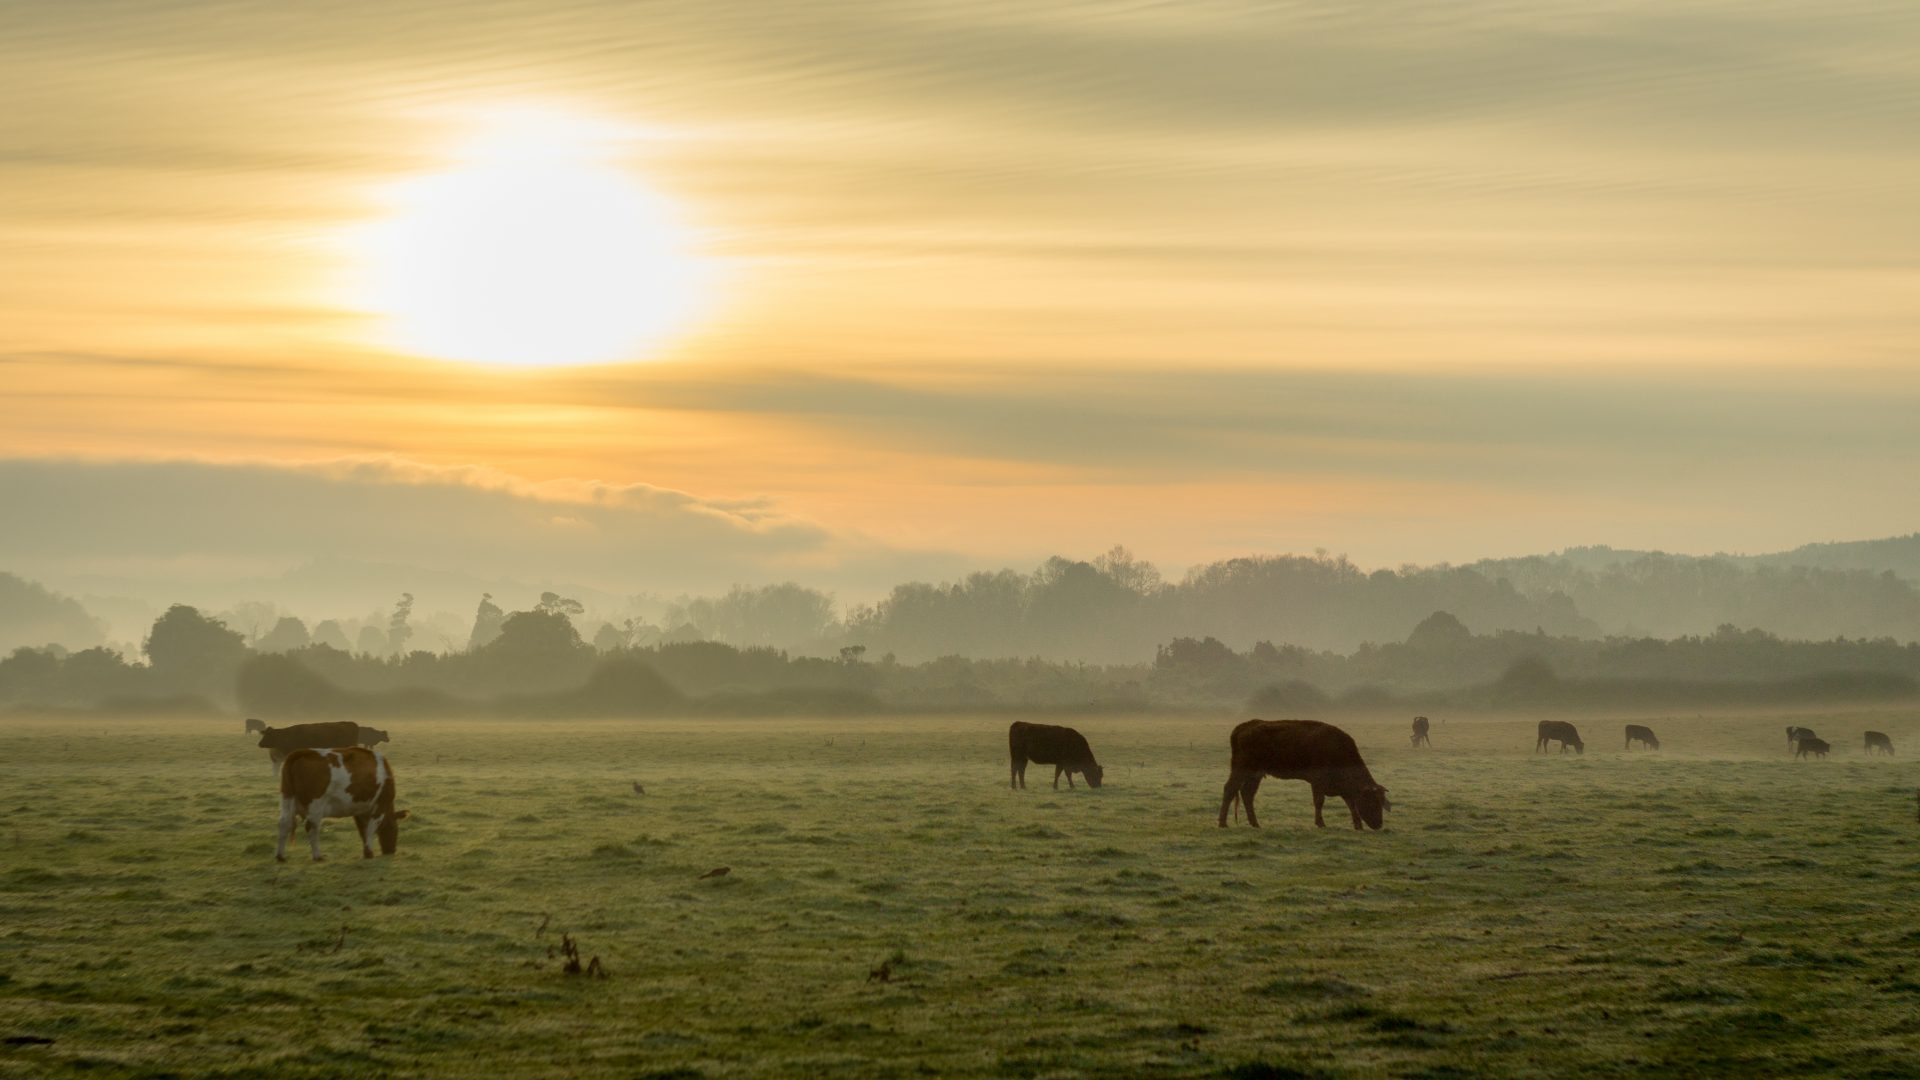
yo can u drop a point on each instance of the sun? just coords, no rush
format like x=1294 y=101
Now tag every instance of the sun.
x=534 y=248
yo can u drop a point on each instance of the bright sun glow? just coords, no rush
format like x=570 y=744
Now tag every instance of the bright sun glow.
x=535 y=248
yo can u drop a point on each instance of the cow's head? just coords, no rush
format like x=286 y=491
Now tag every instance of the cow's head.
x=1093 y=774
x=266 y=735
x=1579 y=748
x=389 y=832
x=1372 y=805
x=373 y=736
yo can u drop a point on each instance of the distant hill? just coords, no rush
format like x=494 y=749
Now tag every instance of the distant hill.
x=1900 y=554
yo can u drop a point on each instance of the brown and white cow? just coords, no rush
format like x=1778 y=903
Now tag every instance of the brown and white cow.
x=351 y=781
x=255 y=724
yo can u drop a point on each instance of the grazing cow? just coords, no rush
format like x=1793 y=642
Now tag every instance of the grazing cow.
x=1795 y=734
x=1642 y=735
x=1807 y=744
x=349 y=782
x=1049 y=744
x=1562 y=732
x=1321 y=754
x=1420 y=731
x=279 y=742
x=255 y=725
x=1877 y=740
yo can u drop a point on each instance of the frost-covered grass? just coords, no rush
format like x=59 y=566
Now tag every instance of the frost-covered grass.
x=1714 y=908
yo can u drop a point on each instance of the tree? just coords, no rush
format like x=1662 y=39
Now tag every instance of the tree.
x=371 y=641
x=529 y=633
x=486 y=623
x=30 y=615
x=555 y=604
x=398 y=632
x=537 y=651
x=287 y=635
x=192 y=653
x=1129 y=573
x=331 y=634
x=612 y=636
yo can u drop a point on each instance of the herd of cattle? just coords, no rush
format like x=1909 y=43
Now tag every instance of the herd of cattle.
x=330 y=770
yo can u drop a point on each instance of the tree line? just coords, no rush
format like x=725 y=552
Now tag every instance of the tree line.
x=535 y=662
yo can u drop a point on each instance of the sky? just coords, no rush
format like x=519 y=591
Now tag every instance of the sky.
x=962 y=285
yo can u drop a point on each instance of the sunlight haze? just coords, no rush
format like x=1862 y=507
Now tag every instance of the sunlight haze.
x=950 y=285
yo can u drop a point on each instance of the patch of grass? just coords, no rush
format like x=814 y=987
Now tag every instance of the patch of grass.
x=1519 y=916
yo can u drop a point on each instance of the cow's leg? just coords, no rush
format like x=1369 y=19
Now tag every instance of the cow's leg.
x=1353 y=810
x=313 y=835
x=1228 y=795
x=286 y=829
x=1056 y=778
x=1319 y=800
x=363 y=824
x=1069 y=773
x=1013 y=773
x=1247 y=791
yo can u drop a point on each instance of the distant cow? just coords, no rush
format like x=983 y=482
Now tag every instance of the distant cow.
x=1807 y=744
x=1049 y=744
x=255 y=725
x=1642 y=735
x=1420 y=731
x=279 y=742
x=1795 y=734
x=350 y=782
x=1321 y=754
x=1877 y=740
x=1562 y=732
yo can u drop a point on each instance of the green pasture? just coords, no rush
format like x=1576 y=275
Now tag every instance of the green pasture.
x=1715 y=908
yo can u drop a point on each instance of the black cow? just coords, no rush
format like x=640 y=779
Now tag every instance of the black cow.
x=1807 y=744
x=1321 y=754
x=1420 y=731
x=1562 y=732
x=279 y=742
x=1050 y=744
x=1795 y=734
x=1877 y=740
x=1642 y=735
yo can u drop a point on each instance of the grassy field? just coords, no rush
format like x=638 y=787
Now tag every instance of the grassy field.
x=1713 y=908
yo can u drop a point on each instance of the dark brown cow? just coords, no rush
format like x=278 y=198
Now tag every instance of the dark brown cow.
x=1877 y=740
x=1420 y=731
x=1321 y=754
x=1637 y=733
x=1049 y=744
x=1795 y=734
x=1807 y=744
x=1561 y=732
x=279 y=742
x=255 y=725
x=349 y=782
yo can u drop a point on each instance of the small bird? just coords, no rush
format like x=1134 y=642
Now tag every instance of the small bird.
x=718 y=871
x=637 y=789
